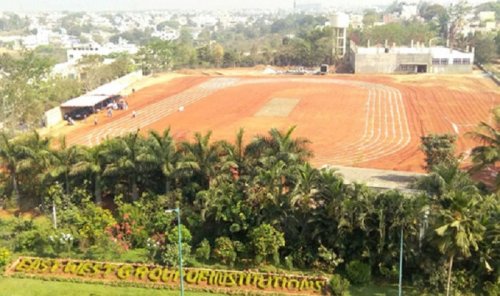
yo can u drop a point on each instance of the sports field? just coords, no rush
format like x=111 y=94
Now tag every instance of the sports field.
x=363 y=121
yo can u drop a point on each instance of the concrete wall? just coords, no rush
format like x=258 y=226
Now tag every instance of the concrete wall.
x=390 y=63
x=53 y=117
x=375 y=63
x=450 y=69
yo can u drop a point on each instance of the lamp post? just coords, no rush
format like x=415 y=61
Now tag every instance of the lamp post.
x=400 y=290
x=178 y=213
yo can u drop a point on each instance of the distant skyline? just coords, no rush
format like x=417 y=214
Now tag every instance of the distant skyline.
x=120 y=5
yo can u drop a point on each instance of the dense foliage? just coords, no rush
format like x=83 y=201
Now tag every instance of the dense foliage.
x=245 y=205
x=28 y=88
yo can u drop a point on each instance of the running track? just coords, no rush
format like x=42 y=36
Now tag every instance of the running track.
x=386 y=129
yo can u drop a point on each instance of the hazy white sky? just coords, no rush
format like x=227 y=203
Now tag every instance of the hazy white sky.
x=93 y=5
x=99 y=5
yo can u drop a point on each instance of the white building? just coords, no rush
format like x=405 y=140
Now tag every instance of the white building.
x=409 y=11
x=166 y=35
x=80 y=50
x=485 y=16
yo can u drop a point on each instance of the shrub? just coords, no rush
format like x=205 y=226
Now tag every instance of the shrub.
x=170 y=255
x=358 y=272
x=224 y=250
x=266 y=240
x=203 y=250
x=338 y=285
x=491 y=289
x=329 y=259
x=4 y=256
x=104 y=249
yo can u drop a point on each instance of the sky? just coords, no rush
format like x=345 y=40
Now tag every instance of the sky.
x=110 y=5
x=100 y=5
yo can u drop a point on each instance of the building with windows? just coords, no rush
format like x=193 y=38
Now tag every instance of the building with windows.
x=414 y=59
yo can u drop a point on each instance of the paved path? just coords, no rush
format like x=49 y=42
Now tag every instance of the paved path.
x=381 y=179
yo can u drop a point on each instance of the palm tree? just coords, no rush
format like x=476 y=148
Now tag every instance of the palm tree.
x=459 y=229
x=488 y=154
x=307 y=181
x=123 y=159
x=162 y=152
x=281 y=145
x=25 y=158
x=235 y=157
x=9 y=157
x=62 y=161
x=445 y=178
x=203 y=157
x=92 y=163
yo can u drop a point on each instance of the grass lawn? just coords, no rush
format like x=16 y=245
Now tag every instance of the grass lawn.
x=32 y=287
x=385 y=290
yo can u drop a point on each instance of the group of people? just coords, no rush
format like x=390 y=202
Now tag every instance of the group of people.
x=120 y=105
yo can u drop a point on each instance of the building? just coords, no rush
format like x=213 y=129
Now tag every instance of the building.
x=408 y=11
x=417 y=59
x=80 y=50
x=485 y=16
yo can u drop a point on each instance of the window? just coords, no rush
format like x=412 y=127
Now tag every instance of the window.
x=466 y=61
x=457 y=61
x=407 y=68
x=439 y=61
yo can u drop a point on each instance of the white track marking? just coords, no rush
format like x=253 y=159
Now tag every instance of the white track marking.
x=386 y=129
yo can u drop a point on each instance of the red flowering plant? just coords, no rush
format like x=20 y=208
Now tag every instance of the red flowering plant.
x=130 y=229
x=121 y=232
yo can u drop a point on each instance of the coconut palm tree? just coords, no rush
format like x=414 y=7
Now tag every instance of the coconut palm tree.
x=459 y=230
x=445 y=178
x=488 y=153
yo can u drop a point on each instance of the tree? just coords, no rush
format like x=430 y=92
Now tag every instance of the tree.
x=203 y=157
x=280 y=145
x=488 y=153
x=156 y=56
x=266 y=241
x=445 y=178
x=123 y=160
x=217 y=52
x=62 y=160
x=485 y=48
x=306 y=185
x=162 y=152
x=370 y=17
x=26 y=159
x=431 y=11
x=9 y=156
x=438 y=149
x=20 y=90
x=92 y=163
x=459 y=230
x=456 y=21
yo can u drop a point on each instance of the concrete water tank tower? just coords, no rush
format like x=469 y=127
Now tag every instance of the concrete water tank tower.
x=340 y=23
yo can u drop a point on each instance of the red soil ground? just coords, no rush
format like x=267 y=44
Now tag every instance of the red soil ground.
x=377 y=124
